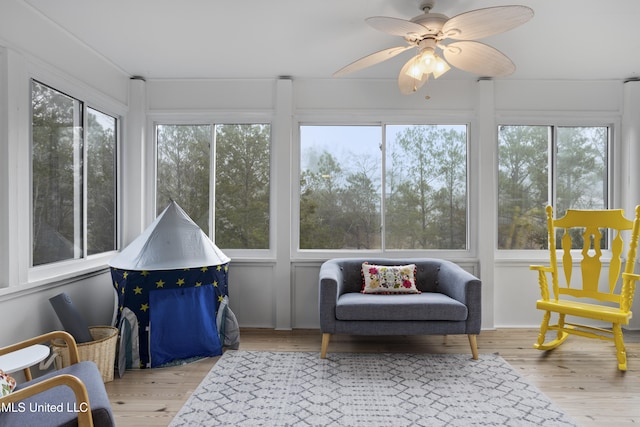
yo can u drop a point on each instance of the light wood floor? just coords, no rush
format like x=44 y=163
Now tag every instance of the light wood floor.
x=581 y=376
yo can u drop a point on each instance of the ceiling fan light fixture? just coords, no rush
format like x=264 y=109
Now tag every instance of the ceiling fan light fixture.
x=428 y=58
x=416 y=69
x=440 y=68
x=425 y=63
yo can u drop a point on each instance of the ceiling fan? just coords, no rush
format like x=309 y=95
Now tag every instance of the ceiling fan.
x=428 y=32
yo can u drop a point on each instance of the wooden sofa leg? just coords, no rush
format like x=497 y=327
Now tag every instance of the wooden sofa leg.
x=325 y=345
x=474 y=346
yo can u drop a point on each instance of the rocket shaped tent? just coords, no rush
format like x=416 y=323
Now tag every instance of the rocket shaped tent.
x=173 y=278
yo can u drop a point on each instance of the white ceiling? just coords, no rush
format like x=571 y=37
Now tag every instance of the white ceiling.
x=566 y=39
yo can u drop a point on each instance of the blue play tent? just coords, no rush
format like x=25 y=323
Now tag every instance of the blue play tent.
x=173 y=278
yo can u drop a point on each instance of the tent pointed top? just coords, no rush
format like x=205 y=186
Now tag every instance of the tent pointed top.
x=172 y=241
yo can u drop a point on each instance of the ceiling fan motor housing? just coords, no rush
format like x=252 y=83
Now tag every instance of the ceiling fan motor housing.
x=433 y=22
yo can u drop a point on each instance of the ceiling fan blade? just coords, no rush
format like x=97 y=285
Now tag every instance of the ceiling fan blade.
x=397 y=26
x=478 y=58
x=406 y=82
x=481 y=23
x=371 y=59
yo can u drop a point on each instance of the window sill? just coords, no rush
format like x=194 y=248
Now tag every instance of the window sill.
x=57 y=274
x=18 y=291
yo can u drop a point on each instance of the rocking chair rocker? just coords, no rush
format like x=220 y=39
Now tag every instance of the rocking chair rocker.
x=598 y=297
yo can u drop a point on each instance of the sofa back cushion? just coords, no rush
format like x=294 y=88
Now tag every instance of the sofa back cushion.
x=426 y=271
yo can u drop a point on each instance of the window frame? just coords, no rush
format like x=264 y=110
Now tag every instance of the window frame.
x=212 y=119
x=409 y=118
x=90 y=98
x=559 y=119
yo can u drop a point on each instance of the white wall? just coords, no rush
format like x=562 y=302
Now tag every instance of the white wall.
x=26 y=31
x=275 y=288
x=27 y=313
x=32 y=46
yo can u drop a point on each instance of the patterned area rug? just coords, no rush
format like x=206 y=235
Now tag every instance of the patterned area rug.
x=251 y=388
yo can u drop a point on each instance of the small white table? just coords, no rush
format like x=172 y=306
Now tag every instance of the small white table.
x=23 y=359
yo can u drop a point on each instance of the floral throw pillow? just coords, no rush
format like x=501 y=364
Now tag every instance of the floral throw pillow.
x=385 y=279
x=7 y=384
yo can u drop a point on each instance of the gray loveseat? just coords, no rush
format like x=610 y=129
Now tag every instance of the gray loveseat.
x=450 y=302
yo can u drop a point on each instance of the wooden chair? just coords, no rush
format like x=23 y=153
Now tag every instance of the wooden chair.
x=83 y=398
x=591 y=295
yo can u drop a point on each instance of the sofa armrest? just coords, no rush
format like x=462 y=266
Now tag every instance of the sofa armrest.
x=329 y=284
x=462 y=286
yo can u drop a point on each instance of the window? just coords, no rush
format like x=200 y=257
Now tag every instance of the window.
x=561 y=165
x=412 y=197
x=240 y=177
x=73 y=177
x=426 y=182
x=183 y=165
x=242 y=186
x=340 y=187
x=101 y=182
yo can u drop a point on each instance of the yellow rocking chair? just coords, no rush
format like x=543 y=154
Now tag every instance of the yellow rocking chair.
x=598 y=297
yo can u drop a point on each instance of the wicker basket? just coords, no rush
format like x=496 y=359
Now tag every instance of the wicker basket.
x=102 y=350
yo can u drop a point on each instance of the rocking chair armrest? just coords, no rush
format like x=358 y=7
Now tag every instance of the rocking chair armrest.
x=542 y=280
x=541 y=268
x=631 y=276
x=628 y=290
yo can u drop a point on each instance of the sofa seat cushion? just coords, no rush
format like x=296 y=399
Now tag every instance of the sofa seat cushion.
x=56 y=406
x=425 y=306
